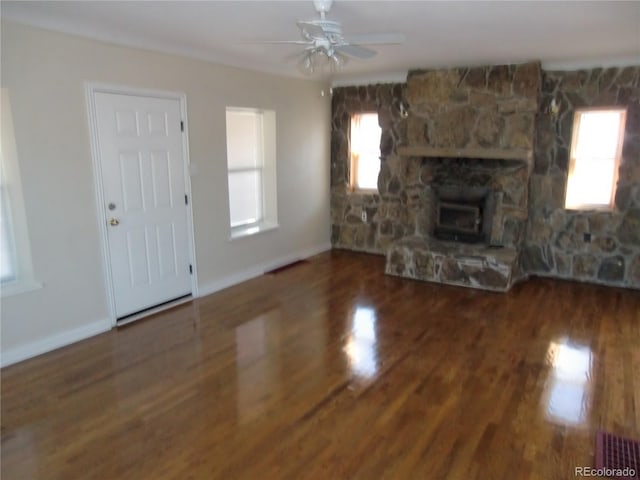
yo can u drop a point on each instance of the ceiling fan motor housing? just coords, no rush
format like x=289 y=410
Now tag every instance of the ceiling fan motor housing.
x=328 y=27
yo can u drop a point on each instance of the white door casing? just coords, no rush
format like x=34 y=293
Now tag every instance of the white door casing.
x=143 y=191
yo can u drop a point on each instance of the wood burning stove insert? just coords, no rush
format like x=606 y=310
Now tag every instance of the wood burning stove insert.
x=462 y=214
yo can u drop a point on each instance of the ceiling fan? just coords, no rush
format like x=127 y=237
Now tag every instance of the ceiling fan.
x=325 y=44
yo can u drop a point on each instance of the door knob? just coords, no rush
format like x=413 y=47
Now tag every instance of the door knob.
x=114 y=222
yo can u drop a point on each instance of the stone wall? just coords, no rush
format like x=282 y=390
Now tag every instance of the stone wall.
x=601 y=247
x=489 y=107
x=498 y=107
x=385 y=210
x=492 y=107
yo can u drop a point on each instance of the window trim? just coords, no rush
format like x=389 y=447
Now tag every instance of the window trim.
x=251 y=229
x=13 y=200
x=354 y=160
x=267 y=168
x=577 y=117
x=259 y=116
x=6 y=224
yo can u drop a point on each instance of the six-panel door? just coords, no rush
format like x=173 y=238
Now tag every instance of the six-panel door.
x=141 y=156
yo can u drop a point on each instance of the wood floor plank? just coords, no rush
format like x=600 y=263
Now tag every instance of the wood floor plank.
x=331 y=369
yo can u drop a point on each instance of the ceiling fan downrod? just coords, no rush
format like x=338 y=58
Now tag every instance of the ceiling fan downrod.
x=322 y=7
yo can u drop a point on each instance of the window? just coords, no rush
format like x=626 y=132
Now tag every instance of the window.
x=251 y=170
x=7 y=251
x=16 y=272
x=596 y=148
x=365 y=151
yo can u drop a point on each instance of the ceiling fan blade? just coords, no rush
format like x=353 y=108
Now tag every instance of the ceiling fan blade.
x=376 y=39
x=275 y=42
x=355 y=51
x=311 y=30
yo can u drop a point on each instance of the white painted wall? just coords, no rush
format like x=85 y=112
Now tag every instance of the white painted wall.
x=45 y=74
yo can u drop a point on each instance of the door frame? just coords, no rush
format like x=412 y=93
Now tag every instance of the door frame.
x=91 y=89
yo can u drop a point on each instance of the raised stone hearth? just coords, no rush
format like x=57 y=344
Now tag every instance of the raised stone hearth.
x=467 y=265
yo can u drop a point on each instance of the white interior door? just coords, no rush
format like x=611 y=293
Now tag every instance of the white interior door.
x=143 y=179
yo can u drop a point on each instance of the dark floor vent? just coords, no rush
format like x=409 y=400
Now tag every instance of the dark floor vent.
x=617 y=453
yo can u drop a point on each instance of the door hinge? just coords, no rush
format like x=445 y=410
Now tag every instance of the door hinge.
x=191 y=269
x=186 y=200
x=181 y=126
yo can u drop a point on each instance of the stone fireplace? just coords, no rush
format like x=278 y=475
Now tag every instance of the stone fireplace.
x=469 y=141
x=472 y=132
x=473 y=209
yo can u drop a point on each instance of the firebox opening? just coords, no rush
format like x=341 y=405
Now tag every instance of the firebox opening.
x=459 y=221
x=462 y=214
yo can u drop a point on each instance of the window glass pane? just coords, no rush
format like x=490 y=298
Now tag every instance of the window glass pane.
x=594 y=158
x=7 y=258
x=244 y=139
x=591 y=183
x=598 y=135
x=245 y=197
x=368 y=170
x=365 y=149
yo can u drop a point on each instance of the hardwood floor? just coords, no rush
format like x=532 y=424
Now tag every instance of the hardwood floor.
x=332 y=370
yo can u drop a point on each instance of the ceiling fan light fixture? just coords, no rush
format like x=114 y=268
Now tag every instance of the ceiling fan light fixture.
x=306 y=64
x=321 y=59
x=337 y=61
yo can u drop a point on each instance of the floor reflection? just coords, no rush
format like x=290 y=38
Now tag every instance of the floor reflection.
x=567 y=395
x=361 y=348
x=257 y=376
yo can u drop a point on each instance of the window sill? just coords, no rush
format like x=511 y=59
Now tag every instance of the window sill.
x=362 y=191
x=590 y=208
x=250 y=230
x=16 y=288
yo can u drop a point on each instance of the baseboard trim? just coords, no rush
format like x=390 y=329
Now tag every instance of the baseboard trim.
x=590 y=281
x=256 y=271
x=59 y=340
x=53 y=342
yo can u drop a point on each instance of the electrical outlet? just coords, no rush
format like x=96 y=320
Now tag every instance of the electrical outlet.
x=364 y=215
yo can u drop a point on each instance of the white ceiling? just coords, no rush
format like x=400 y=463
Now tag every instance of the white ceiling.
x=562 y=35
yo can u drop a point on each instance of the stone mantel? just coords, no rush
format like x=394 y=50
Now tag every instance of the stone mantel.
x=522 y=155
